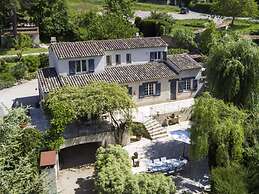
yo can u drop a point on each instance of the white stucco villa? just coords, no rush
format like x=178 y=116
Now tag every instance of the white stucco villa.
x=141 y=64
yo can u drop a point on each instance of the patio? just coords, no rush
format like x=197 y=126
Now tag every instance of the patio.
x=192 y=176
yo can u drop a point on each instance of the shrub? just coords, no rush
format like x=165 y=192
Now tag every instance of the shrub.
x=3 y=66
x=19 y=70
x=202 y=7
x=229 y=180
x=114 y=176
x=23 y=41
x=44 y=60
x=32 y=62
x=184 y=38
x=174 y=51
x=139 y=130
x=6 y=80
x=8 y=42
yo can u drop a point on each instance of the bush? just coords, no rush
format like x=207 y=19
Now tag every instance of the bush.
x=32 y=62
x=6 y=80
x=19 y=70
x=139 y=130
x=114 y=176
x=3 y=66
x=202 y=7
x=184 y=38
x=229 y=180
x=174 y=51
x=44 y=60
x=8 y=42
x=23 y=41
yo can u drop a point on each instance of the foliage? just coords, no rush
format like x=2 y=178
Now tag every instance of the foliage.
x=113 y=175
x=19 y=70
x=122 y=8
x=72 y=103
x=201 y=7
x=32 y=63
x=23 y=41
x=156 y=25
x=217 y=130
x=209 y=38
x=108 y=26
x=112 y=169
x=52 y=18
x=6 y=80
x=234 y=65
x=44 y=60
x=174 y=51
x=139 y=130
x=184 y=38
x=19 y=155
x=228 y=180
x=235 y=8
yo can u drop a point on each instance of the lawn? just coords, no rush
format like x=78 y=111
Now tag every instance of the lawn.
x=192 y=24
x=96 y=5
x=245 y=27
x=26 y=51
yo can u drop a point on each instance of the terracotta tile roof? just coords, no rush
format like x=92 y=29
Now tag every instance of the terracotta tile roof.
x=181 y=62
x=47 y=158
x=120 y=74
x=48 y=79
x=66 y=50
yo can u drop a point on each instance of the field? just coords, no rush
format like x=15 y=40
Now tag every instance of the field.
x=97 y=5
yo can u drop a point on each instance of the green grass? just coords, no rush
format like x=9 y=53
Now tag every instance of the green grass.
x=26 y=51
x=245 y=27
x=192 y=24
x=97 y=5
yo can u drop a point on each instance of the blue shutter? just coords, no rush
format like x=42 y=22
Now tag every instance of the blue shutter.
x=158 y=89
x=194 y=84
x=91 y=65
x=141 y=91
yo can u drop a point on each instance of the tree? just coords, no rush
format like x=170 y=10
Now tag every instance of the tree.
x=184 y=38
x=19 y=155
x=228 y=180
x=72 y=103
x=233 y=72
x=113 y=175
x=108 y=26
x=122 y=8
x=217 y=131
x=209 y=38
x=236 y=8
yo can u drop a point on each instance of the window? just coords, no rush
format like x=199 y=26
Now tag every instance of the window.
x=184 y=85
x=149 y=89
x=80 y=66
x=155 y=55
x=118 y=59
x=128 y=58
x=108 y=60
x=164 y=56
x=72 y=69
x=84 y=67
x=91 y=65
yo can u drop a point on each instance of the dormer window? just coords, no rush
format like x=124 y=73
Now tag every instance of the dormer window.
x=81 y=66
x=108 y=60
x=155 y=56
x=128 y=58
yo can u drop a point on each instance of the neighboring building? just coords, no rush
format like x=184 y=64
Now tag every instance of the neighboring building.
x=141 y=64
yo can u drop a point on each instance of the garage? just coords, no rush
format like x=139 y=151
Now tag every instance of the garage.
x=78 y=155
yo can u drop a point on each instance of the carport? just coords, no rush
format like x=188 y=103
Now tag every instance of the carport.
x=78 y=155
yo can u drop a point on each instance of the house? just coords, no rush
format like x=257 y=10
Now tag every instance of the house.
x=141 y=64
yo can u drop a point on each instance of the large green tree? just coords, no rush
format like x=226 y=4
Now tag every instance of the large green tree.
x=217 y=131
x=113 y=175
x=233 y=72
x=236 y=8
x=123 y=8
x=73 y=103
x=19 y=151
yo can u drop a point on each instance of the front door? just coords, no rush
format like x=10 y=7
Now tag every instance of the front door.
x=173 y=90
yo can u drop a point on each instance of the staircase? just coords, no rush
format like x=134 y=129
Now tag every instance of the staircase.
x=155 y=129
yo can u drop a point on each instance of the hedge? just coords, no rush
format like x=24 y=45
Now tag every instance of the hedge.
x=202 y=7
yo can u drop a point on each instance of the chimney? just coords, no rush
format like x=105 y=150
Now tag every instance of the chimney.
x=53 y=40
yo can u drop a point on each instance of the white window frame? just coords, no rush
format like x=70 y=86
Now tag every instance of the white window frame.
x=187 y=85
x=150 y=89
x=78 y=71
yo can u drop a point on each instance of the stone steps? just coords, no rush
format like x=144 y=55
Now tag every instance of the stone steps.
x=155 y=129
